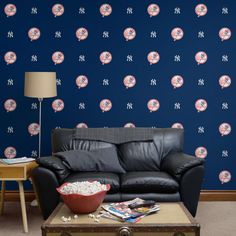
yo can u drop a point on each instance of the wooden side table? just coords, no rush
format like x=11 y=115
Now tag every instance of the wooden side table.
x=19 y=173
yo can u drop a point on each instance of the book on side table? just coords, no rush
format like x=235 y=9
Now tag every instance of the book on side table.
x=16 y=160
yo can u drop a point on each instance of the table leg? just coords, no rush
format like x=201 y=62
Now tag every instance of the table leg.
x=2 y=197
x=23 y=208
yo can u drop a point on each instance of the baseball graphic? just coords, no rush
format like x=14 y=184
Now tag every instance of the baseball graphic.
x=153 y=57
x=82 y=125
x=10 y=105
x=201 y=10
x=81 y=81
x=58 y=10
x=201 y=152
x=225 y=34
x=34 y=34
x=34 y=129
x=129 y=125
x=201 y=57
x=224 y=81
x=224 y=176
x=10 y=58
x=177 y=33
x=129 y=81
x=58 y=105
x=105 y=57
x=153 y=10
x=105 y=105
x=81 y=34
x=57 y=57
x=129 y=33
x=177 y=81
x=105 y=10
x=177 y=126
x=10 y=152
x=201 y=105
x=153 y=105
x=10 y=10
x=225 y=129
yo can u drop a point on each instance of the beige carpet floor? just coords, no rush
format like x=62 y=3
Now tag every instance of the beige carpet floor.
x=216 y=219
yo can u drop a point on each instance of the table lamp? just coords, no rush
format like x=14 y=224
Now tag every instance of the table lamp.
x=40 y=85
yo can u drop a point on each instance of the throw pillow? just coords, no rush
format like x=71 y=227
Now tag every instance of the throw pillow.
x=100 y=160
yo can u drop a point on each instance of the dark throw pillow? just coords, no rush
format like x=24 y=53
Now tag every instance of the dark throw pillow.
x=100 y=160
x=139 y=156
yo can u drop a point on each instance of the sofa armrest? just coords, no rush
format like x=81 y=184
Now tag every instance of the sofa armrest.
x=56 y=165
x=45 y=183
x=176 y=164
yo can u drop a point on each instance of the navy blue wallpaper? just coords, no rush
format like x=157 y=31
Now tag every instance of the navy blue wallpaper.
x=123 y=63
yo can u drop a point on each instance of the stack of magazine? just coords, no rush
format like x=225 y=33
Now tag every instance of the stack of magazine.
x=121 y=211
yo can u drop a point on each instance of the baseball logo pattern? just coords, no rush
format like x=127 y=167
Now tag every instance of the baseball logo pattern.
x=123 y=64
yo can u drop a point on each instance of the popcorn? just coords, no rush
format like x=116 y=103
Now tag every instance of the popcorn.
x=76 y=217
x=83 y=188
x=96 y=220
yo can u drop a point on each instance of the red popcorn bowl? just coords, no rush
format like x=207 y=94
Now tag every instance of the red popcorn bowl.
x=83 y=204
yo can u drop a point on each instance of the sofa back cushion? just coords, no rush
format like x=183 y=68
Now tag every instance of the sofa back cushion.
x=139 y=156
x=99 y=160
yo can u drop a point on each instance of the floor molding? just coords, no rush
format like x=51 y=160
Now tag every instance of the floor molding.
x=206 y=195
x=218 y=195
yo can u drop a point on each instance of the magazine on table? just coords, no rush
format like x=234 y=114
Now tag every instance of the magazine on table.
x=123 y=212
x=16 y=160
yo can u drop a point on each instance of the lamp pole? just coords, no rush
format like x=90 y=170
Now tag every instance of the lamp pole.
x=40 y=126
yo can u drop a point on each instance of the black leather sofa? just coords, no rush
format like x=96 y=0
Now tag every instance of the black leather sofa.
x=156 y=167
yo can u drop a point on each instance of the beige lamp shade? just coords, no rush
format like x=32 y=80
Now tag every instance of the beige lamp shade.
x=40 y=84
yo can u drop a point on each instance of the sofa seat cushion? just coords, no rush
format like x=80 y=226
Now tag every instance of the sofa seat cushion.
x=148 y=182
x=102 y=177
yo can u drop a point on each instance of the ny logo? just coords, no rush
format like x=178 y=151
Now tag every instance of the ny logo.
x=10 y=82
x=34 y=10
x=34 y=58
x=129 y=106
x=105 y=34
x=34 y=153
x=58 y=34
x=225 y=58
x=82 y=58
x=225 y=153
x=225 y=106
x=177 y=106
x=10 y=34
x=201 y=130
x=201 y=82
x=153 y=82
x=58 y=81
x=225 y=11
x=129 y=58
x=177 y=58
x=10 y=130
x=81 y=105
x=177 y=11
x=153 y=34
x=34 y=106
x=81 y=10
x=105 y=82
x=201 y=34
x=129 y=10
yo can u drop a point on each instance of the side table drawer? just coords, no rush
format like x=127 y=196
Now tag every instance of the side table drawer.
x=12 y=172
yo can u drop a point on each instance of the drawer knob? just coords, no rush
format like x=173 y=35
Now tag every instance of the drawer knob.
x=125 y=231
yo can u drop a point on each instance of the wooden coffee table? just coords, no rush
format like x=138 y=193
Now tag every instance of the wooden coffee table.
x=173 y=219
